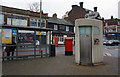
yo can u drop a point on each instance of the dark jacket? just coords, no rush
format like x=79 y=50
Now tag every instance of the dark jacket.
x=12 y=48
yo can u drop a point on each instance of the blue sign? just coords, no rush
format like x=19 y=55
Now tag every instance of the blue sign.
x=112 y=34
x=14 y=31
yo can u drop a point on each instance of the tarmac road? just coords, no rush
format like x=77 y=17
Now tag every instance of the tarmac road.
x=112 y=51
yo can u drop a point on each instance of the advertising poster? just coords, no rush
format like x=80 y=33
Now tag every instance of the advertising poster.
x=6 y=36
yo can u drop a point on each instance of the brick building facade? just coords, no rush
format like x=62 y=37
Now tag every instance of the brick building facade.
x=112 y=28
x=111 y=25
x=77 y=12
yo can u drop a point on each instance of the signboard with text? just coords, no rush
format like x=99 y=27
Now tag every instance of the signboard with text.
x=6 y=36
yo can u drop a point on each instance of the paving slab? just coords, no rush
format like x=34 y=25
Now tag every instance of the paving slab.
x=59 y=65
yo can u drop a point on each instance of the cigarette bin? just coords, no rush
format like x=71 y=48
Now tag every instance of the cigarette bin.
x=68 y=46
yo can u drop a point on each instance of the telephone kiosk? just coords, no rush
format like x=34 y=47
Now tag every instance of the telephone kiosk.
x=88 y=41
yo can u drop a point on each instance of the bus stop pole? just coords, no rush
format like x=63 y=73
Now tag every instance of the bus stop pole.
x=46 y=43
x=40 y=24
x=17 y=43
x=49 y=33
x=35 y=44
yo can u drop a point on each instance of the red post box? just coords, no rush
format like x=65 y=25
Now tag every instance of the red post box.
x=68 y=46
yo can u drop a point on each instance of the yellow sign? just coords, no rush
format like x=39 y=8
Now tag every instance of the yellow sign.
x=6 y=36
x=39 y=33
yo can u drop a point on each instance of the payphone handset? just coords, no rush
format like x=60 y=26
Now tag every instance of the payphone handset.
x=96 y=41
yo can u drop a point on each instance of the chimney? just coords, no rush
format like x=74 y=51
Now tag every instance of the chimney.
x=103 y=19
x=81 y=4
x=54 y=16
x=74 y=6
x=95 y=9
x=111 y=17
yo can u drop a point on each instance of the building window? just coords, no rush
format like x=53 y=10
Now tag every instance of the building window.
x=9 y=21
x=106 y=24
x=119 y=23
x=16 y=20
x=55 y=27
x=33 y=22
x=62 y=27
x=67 y=28
x=36 y=22
x=43 y=23
x=118 y=30
x=60 y=39
x=1 y=18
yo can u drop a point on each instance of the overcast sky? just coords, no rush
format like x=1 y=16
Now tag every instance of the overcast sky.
x=106 y=8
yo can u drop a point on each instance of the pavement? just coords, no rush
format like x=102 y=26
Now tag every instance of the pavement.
x=59 y=65
x=0 y=60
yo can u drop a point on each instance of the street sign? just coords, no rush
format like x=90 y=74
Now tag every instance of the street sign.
x=40 y=33
x=14 y=32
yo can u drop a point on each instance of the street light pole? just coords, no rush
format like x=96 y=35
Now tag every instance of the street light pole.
x=40 y=22
x=40 y=12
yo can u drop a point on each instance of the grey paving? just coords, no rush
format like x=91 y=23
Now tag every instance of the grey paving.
x=59 y=65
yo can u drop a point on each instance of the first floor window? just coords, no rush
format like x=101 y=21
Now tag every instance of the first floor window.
x=67 y=28
x=55 y=27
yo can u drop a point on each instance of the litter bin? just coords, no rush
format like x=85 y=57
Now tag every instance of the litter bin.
x=68 y=47
x=52 y=50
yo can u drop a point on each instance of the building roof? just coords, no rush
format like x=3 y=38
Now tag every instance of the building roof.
x=59 y=21
x=63 y=32
x=22 y=12
x=27 y=28
x=87 y=10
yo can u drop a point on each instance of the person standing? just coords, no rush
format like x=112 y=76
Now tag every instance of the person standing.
x=10 y=49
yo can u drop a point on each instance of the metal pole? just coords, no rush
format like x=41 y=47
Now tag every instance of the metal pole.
x=17 y=43
x=46 y=44
x=40 y=22
x=116 y=28
x=35 y=44
x=40 y=12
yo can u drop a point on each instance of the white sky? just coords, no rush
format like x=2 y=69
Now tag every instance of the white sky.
x=106 y=8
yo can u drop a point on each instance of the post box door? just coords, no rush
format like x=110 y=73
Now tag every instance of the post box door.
x=85 y=45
